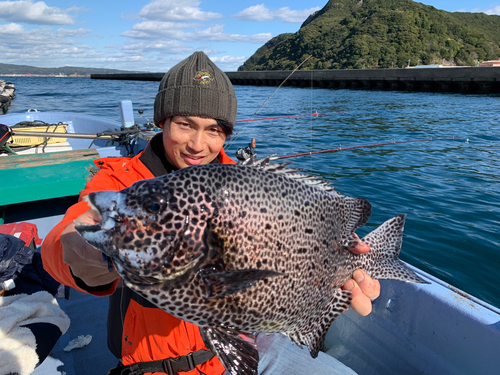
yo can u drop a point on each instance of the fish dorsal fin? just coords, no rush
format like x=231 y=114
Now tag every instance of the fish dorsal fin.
x=236 y=350
x=320 y=324
x=293 y=173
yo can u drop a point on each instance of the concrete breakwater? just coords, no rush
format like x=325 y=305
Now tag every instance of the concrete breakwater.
x=465 y=80
x=482 y=80
x=6 y=95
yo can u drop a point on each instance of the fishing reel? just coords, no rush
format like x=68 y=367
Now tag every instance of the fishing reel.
x=245 y=153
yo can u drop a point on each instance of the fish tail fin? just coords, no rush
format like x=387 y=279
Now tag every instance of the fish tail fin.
x=385 y=242
x=358 y=211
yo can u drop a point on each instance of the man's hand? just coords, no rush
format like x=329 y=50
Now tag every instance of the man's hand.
x=85 y=261
x=363 y=288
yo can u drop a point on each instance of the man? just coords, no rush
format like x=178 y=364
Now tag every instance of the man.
x=196 y=108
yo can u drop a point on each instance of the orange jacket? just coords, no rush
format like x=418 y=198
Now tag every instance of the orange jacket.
x=148 y=333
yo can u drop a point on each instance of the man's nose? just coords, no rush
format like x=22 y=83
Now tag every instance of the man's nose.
x=196 y=142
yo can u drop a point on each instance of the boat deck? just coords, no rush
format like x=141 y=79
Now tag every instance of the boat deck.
x=88 y=316
x=44 y=176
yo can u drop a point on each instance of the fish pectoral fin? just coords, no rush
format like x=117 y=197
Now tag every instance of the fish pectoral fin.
x=223 y=283
x=320 y=324
x=236 y=350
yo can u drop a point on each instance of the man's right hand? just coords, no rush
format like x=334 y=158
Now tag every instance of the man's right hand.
x=85 y=261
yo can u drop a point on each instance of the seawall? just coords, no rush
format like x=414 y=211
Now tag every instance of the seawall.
x=481 y=80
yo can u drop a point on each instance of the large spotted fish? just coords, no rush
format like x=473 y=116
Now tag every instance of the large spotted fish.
x=238 y=249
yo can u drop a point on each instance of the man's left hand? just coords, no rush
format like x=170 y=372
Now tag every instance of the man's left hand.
x=363 y=288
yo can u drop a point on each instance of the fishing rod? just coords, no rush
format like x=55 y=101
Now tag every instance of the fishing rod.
x=361 y=146
x=104 y=135
x=21 y=133
x=291 y=116
x=263 y=104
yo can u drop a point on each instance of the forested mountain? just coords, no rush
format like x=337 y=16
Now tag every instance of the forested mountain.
x=358 y=34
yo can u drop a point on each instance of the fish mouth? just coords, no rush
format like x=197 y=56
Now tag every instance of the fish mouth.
x=94 y=235
x=99 y=235
x=179 y=277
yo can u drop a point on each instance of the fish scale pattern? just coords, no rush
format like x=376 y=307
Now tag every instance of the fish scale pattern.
x=253 y=249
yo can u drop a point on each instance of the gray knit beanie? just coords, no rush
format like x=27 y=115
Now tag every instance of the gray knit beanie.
x=196 y=87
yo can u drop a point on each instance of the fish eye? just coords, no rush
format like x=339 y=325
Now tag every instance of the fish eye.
x=154 y=203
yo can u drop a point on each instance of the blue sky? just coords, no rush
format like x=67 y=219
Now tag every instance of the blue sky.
x=154 y=35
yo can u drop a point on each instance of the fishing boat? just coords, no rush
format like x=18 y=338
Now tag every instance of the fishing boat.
x=7 y=90
x=430 y=328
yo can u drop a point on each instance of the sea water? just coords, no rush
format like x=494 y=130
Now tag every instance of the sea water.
x=449 y=189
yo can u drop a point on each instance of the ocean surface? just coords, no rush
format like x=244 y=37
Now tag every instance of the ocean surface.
x=449 y=189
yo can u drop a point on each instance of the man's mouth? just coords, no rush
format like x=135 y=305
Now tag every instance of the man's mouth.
x=193 y=160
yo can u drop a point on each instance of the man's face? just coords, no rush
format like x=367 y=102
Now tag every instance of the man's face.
x=191 y=140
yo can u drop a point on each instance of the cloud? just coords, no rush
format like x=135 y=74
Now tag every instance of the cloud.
x=495 y=10
x=79 y=33
x=35 y=13
x=229 y=59
x=166 y=46
x=41 y=45
x=172 y=30
x=174 y=10
x=155 y=29
x=216 y=34
x=262 y=13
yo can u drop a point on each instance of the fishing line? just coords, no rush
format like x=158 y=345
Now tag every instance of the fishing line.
x=231 y=141
x=361 y=146
x=310 y=166
x=290 y=116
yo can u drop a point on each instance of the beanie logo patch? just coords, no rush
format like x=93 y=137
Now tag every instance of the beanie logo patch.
x=203 y=77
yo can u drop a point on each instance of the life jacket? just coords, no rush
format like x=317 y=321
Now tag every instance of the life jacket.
x=137 y=330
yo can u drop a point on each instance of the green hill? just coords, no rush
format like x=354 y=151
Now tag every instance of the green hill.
x=358 y=34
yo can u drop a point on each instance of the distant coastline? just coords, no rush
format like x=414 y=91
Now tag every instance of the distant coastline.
x=47 y=75
x=11 y=70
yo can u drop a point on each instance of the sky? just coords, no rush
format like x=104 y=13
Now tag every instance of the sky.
x=152 y=36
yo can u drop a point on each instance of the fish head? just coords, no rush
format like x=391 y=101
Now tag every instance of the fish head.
x=151 y=233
